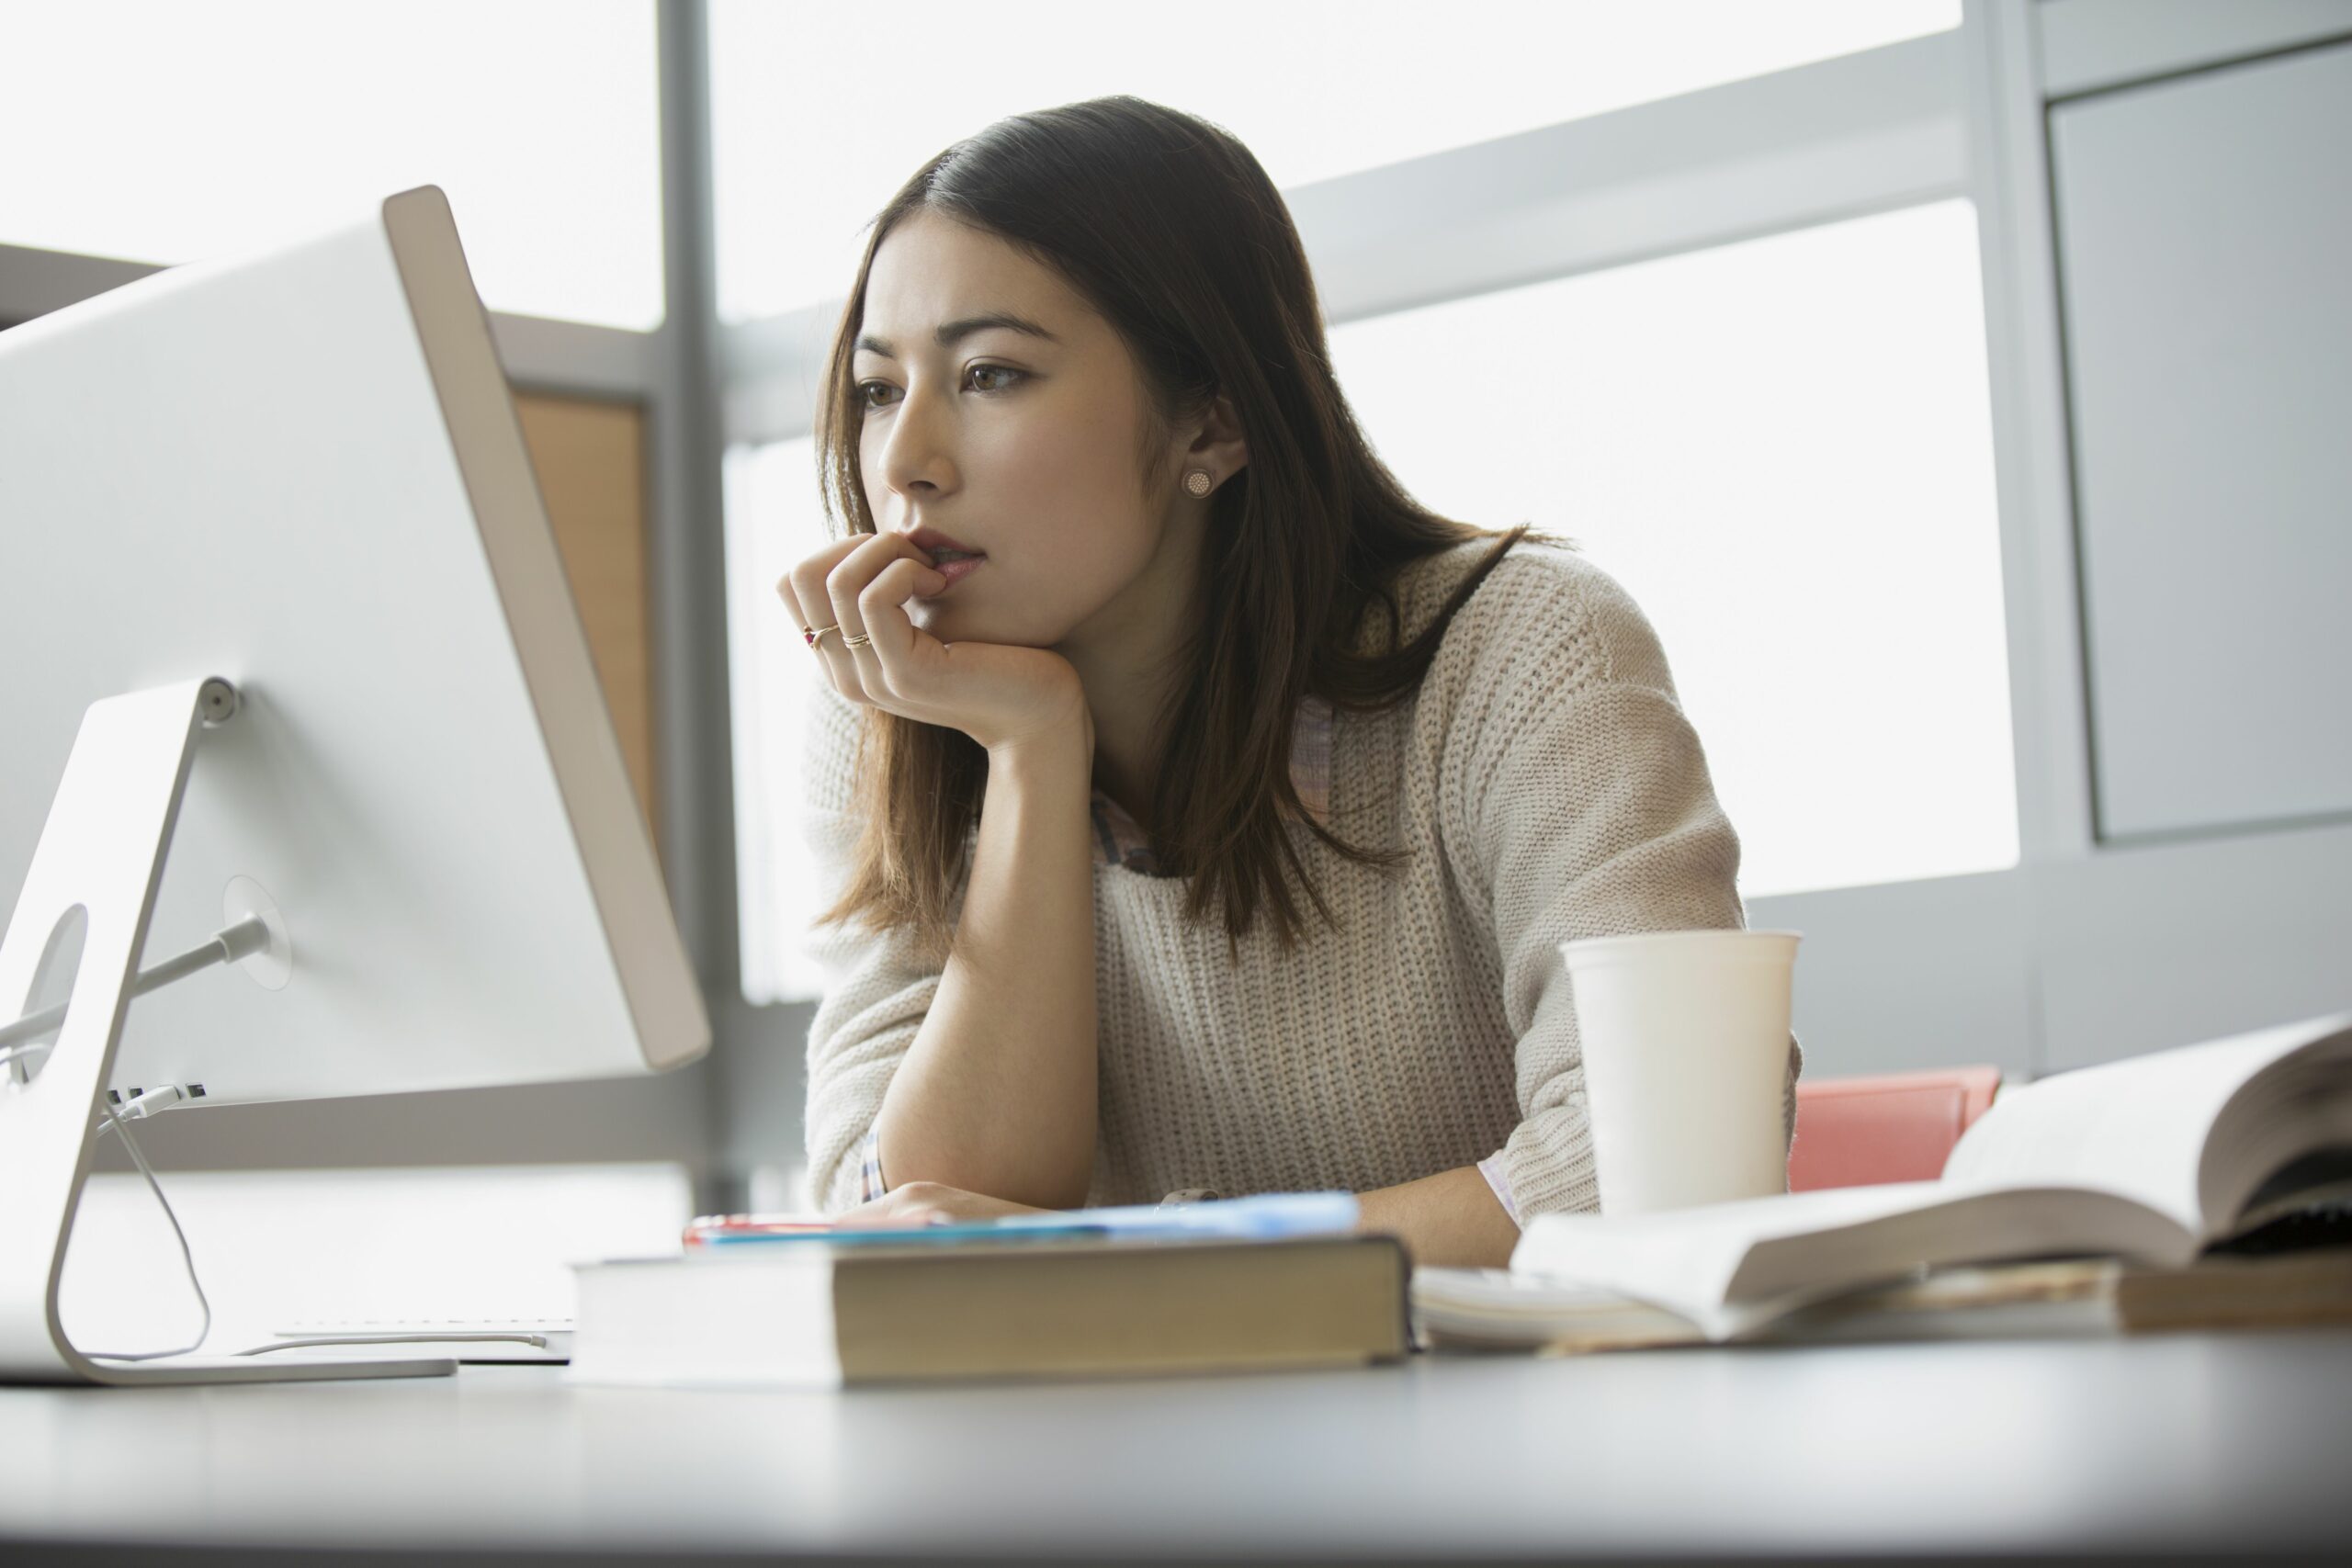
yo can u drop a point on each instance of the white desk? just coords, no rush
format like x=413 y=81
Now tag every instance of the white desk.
x=2200 y=1443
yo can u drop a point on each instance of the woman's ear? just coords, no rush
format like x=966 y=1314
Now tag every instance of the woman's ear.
x=1217 y=443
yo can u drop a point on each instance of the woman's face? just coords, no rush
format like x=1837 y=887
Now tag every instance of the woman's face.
x=1001 y=411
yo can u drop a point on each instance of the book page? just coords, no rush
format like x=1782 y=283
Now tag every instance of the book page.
x=1684 y=1258
x=1728 y=1266
x=2138 y=1127
x=1498 y=1307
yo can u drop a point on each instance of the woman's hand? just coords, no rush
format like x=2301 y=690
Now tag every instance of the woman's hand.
x=930 y=1204
x=998 y=693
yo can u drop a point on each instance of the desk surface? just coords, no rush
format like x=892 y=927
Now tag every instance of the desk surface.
x=2184 y=1442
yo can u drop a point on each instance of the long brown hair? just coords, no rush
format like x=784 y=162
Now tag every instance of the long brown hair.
x=1170 y=228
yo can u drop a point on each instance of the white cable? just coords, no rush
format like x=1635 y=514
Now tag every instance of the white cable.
x=186 y=1256
x=148 y=1101
x=12 y=1051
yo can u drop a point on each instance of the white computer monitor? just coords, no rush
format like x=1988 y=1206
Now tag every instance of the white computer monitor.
x=277 y=579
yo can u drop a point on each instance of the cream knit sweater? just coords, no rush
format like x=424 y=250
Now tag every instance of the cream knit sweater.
x=1549 y=787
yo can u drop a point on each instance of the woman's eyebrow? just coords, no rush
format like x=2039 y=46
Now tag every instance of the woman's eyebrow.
x=952 y=333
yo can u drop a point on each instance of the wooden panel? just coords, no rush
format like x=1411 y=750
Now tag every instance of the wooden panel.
x=591 y=462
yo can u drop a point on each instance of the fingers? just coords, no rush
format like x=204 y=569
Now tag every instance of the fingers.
x=860 y=556
x=849 y=588
x=886 y=660
x=803 y=592
x=918 y=1203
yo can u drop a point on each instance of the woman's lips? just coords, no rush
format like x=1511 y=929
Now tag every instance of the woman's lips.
x=956 y=570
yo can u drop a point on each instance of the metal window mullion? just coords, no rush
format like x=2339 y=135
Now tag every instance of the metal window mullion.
x=2098 y=46
x=1813 y=144
x=35 y=282
x=686 y=563
x=576 y=358
x=2032 y=467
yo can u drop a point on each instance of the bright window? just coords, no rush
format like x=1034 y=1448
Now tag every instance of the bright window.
x=773 y=519
x=1783 y=450
x=164 y=131
x=820 y=112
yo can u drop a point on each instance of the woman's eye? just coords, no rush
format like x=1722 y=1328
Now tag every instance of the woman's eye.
x=982 y=377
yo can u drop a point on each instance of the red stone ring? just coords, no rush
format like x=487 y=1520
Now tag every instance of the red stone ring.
x=815 y=635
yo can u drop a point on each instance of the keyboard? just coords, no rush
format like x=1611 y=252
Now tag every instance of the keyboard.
x=502 y=1338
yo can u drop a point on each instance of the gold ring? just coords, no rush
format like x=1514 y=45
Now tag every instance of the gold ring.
x=817 y=636
x=860 y=640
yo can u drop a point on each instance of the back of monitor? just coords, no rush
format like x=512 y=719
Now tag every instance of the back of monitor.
x=302 y=472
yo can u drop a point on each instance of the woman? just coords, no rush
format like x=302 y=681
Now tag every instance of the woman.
x=1204 y=813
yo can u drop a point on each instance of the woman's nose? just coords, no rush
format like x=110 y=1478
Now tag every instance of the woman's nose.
x=918 y=453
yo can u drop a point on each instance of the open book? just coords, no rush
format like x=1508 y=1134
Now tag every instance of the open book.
x=2150 y=1159
x=1493 y=1309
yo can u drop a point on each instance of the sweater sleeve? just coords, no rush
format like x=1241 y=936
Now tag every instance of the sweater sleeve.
x=1584 y=809
x=878 y=987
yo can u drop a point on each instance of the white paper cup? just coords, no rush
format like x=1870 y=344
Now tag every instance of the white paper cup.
x=1686 y=1050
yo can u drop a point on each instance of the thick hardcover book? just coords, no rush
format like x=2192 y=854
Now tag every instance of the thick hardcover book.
x=813 y=1314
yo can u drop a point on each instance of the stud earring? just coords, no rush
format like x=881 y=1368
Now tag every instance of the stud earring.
x=1199 y=483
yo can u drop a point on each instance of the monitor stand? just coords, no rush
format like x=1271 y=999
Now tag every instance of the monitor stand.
x=101 y=851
